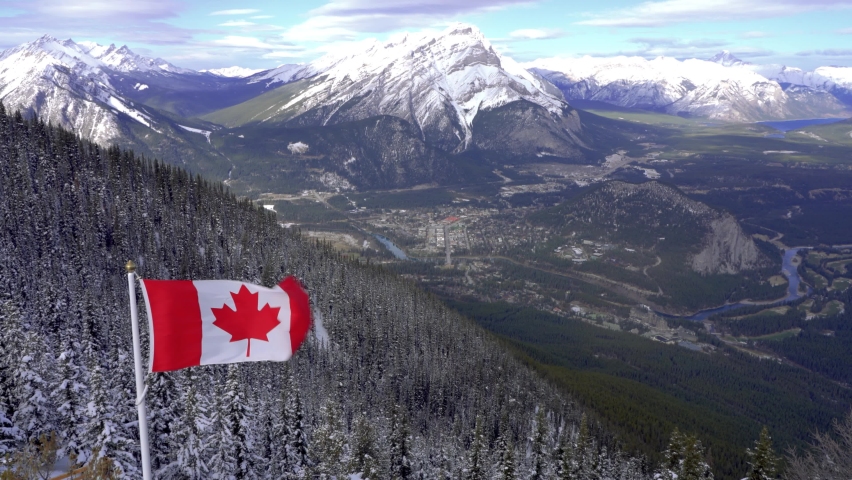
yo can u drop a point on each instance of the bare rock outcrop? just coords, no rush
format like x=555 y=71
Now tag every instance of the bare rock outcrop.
x=727 y=249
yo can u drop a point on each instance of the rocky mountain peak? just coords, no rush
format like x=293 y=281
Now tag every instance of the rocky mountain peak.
x=726 y=58
x=437 y=81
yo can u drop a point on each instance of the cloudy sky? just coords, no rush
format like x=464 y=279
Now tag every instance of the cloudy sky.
x=261 y=34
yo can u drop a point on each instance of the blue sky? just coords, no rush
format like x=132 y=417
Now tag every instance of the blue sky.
x=220 y=33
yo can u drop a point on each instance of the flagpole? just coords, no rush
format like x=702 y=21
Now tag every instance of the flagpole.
x=140 y=381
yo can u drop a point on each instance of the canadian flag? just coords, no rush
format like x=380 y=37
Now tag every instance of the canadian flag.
x=203 y=322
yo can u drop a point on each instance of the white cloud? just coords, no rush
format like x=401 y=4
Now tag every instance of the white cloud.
x=237 y=41
x=845 y=31
x=98 y=8
x=236 y=11
x=536 y=34
x=284 y=54
x=236 y=23
x=668 y=12
x=346 y=19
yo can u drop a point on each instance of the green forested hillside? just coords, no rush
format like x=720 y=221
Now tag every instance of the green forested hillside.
x=643 y=389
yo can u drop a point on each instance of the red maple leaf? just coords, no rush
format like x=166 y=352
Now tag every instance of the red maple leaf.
x=246 y=322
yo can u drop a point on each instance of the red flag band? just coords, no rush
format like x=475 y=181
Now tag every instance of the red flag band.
x=203 y=322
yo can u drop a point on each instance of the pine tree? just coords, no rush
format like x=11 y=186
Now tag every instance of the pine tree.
x=506 y=469
x=762 y=459
x=364 y=457
x=236 y=424
x=222 y=462
x=103 y=434
x=33 y=412
x=566 y=465
x=10 y=435
x=684 y=459
x=68 y=394
x=265 y=443
x=693 y=466
x=673 y=456
x=539 y=463
x=162 y=402
x=400 y=446
x=476 y=469
x=298 y=459
x=191 y=455
x=328 y=444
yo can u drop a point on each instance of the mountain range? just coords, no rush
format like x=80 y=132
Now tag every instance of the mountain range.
x=448 y=93
x=722 y=88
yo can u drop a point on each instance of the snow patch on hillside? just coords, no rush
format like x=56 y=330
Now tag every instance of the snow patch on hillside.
x=206 y=133
x=232 y=72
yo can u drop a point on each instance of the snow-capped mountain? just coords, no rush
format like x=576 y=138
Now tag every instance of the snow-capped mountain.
x=232 y=72
x=835 y=80
x=440 y=82
x=122 y=59
x=70 y=85
x=726 y=58
x=723 y=88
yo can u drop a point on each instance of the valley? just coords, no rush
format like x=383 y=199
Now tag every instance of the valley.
x=546 y=286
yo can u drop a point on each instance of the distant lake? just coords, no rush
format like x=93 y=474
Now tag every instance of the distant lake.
x=788 y=125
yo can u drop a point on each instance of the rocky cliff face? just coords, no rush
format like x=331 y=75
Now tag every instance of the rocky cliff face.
x=727 y=249
x=654 y=215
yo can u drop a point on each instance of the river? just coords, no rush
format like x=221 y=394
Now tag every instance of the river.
x=788 y=269
x=396 y=251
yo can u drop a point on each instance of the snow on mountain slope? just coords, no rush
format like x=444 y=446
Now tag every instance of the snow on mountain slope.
x=122 y=59
x=61 y=82
x=836 y=80
x=726 y=59
x=722 y=89
x=232 y=72
x=438 y=82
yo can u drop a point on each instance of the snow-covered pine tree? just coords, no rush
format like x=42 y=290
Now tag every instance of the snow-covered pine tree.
x=162 y=408
x=34 y=413
x=694 y=467
x=220 y=440
x=191 y=458
x=673 y=456
x=10 y=436
x=538 y=449
x=364 y=457
x=506 y=468
x=68 y=395
x=102 y=433
x=265 y=440
x=762 y=459
x=122 y=394
x=400 y=446
x=684 y=459
x=566 y=463
x=476 y=468
x=328 y=444
x=236 y=423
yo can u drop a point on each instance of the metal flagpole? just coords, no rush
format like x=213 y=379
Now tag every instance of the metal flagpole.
x=140 y=379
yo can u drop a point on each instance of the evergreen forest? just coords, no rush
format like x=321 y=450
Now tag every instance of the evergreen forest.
x=398 y=386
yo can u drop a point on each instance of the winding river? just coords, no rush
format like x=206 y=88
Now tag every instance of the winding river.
x=788 y=269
